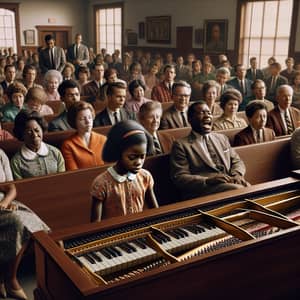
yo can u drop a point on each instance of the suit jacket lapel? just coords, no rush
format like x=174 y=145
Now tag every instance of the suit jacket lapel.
x=220 y=151
x=293 y=118
x=176 y=118
x=282 y=126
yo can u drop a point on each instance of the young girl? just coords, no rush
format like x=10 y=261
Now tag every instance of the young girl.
x=124 y=188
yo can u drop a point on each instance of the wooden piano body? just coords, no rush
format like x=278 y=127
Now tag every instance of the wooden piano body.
x=263 y=268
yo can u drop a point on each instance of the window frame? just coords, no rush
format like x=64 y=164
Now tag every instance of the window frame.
x=107 y=6
x=293 y=31
x=14 y=7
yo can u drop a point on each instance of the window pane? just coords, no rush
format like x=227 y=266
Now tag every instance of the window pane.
x=110 y=34
x=257 y=18
x=281 y=47
x=284 y=18
x=102 y=17
x=102 y=34
x=118 y=17
x=267 y=46
x=109 y=16
x=255 y=46
x=270 y=19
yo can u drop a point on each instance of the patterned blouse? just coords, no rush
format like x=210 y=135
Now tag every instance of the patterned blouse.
x=223 y=123
x=121 y=195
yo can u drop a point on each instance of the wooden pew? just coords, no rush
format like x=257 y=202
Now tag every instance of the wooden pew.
x=63 y=199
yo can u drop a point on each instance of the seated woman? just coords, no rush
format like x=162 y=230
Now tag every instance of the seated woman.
x=210 y=92
x=137 y=90
x=16 y=223
x=52 y=80
x=126 y=187
x=68 y=71
x=35 y=158
x=83 y=76
x=35 y=101
x=149 y=116
x=256 y=132
x=230 y=101
x=151 y=79
x=15 y=93
x=84 y=148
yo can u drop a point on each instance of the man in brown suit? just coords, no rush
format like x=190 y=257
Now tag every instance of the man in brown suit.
x=176 y=115
x=256 y=132
x=203 y=162
x=284 y=118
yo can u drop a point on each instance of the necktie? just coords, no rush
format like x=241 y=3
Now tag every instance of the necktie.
x=253 y=74
x=116 y=117
x=76 y=51
x=184 y=122
x=289 y=125
x=273 y=84
x=52 y=58
x=157 y=148
x=214 y=155
x=242 y=87
x=258 y=137
x=170 y=88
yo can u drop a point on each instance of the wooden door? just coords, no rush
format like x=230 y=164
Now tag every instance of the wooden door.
x=184 y=40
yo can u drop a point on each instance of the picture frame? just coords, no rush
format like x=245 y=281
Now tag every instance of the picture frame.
x=29 y=37
x=215 y=36
x=158 y=29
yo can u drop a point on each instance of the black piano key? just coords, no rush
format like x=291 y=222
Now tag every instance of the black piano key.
x=125 y=247
x=182 y=233
x=106 y=253
x=139 y=243
x=174 y=234
x=89 y=258
x=111 y=252
x=115 y=250
x=131 y=247
x=96 y=256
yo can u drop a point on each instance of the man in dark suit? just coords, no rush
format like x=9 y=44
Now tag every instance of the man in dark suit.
x=114 y=112
x=176 y=115
x=253 y=73
x=256 y=132
x=51 y=57
x=284 y=118
x=69 y=93
x=203 y=162
x=242 y=84
x=274 y=81
x=77 y=53
x=10 y=75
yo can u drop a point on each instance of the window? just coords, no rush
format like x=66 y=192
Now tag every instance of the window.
x=109 y=28
x=265 y=30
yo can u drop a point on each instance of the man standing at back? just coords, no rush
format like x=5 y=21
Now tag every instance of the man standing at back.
x=78 y=54
x=203 y=162
x=52 y=57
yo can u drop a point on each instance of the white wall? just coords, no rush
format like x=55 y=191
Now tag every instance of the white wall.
x=65 y=13
x=183 y=13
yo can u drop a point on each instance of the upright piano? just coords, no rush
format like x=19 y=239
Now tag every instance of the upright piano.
x=243 y=244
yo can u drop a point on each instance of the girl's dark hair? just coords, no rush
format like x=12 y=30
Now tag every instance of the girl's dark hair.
x=123 y=135
x=75 y=109
x=230 y=94
x=135 y=84
x=24 y=117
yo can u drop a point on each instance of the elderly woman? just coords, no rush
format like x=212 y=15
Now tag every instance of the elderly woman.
x=210 y=93
x=15 y=93
x=35 y=158
x=35 y=101
x=84 y=148
x=149 y=116
x=137 y=90
x=29 y=77
x=15 y=229
x=52 y=79
x=230 y=101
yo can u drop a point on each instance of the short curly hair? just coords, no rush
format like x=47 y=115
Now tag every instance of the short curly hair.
x=22 y=118
x=75 y=109
x=16 y=87
x=230 y=94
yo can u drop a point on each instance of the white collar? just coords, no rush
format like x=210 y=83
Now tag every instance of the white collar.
x=31 y=155
x=121 y=178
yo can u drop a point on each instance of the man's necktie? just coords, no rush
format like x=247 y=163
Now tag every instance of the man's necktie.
x=170 y=88
x=242 y=87
x=289 y=125
x=214 y=155
x=273 y=83
x=184 y=122
x=253 y=74
x=116 y=117
x=76 y=51
x=52 y=58
x=259 y=139
x=157 y=148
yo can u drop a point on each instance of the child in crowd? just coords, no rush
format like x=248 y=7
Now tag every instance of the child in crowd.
x=126 y=187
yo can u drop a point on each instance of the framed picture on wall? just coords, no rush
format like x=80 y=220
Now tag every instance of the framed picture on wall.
x=158 y=29
x=29 y=37
x=215 y=36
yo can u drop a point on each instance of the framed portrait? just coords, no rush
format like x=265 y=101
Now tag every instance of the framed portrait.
x=29 y=37
x=215 y=36
x=158 y=29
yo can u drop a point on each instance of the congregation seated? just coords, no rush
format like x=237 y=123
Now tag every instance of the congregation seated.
x=16 y=93
x=35 y=158
x=284 y=118
x=210 y=94
x=204 y=162
x=296 y=89
x=289 y=73
x=9 y=77
x=222 y=76
x=229 y=102
x=84 y=148
x=35 y=100
x=83 y=77
x=256 y=132
x=137 y=91
x=29 y=77
x=149 y=116
x=196 y=86
x=52 y=80
x=259 y=92
x=69 y=92
x=176 y=115
x=151 y=79
x=183 y=72
x=68 y=71
x=115 y=111
x=253 y=73
x=162 y=92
